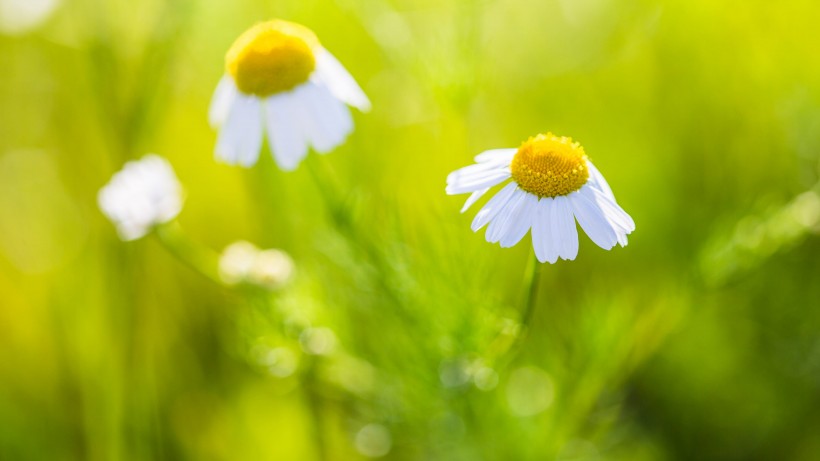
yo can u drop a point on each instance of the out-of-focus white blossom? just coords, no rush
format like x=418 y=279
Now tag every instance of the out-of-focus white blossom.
x=20 y=16
x=243 y=262
x=236 y=262
x=283 y=85
x=272 y=268
x=144 y=193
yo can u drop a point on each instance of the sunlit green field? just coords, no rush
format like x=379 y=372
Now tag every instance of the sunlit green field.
x=401 y=334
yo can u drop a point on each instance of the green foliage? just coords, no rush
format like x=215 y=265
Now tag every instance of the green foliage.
x=399 y=335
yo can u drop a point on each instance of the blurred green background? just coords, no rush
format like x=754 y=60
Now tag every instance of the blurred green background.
x=699 y=340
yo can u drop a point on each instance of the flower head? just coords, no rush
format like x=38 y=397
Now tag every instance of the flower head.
x=279 y=80
x=243 y=262
x=553 y=184
x=143 y=194
x=272 y=57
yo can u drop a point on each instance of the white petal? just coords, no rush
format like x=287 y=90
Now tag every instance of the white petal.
x=621 y=222
x=144 y=193
x=503 y=221
x=473 y=198
x=287 y=139
x=562 y=224
x=597 y=180
x=612 y=211
x=474 y=170
x=479 y=182
x=542 y=237
x=493 y=206
x=221 y=101
x=326 y=119
x=592 y=220
x=520 y=222
x=492 y=155
x=240 y=139
x=128 y=233
x=340 y=82
x=537 y=234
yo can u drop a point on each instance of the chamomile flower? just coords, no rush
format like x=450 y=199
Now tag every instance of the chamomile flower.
x=143 y=194
x=282 y=83
x=553 y=184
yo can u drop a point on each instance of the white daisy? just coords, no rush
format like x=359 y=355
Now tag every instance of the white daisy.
x=279 y=80
x=144 y=193
x=553 y=184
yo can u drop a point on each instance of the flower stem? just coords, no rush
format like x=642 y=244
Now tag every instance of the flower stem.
x=505 y=347
x=197 y=257
x=315 y=408
x=329 y=190
x=531 y=278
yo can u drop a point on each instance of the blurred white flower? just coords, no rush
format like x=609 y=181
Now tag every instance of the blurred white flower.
x=144 y=193
x=281 y=81
x=236 y=261
x=243 y=262
x=272 y=268
x=20 y=16
x=553 y=184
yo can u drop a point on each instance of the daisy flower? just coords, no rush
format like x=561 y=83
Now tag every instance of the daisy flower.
x=143 y=194
x=553 y=184
x=281 y=82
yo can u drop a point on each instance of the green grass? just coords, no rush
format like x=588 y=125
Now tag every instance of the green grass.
x=699 y=340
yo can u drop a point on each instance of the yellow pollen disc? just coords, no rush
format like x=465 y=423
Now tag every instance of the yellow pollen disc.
x=549 y=166
x=272 y=57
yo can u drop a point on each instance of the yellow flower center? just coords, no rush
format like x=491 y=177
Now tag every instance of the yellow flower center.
x=549 y=166
x=272 y=57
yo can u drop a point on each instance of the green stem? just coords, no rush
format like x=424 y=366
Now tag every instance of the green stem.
x=531 y=278
x=505 y=347
x=197 y=257
x=334 y=201
x=329 y=190
x=314 y=403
